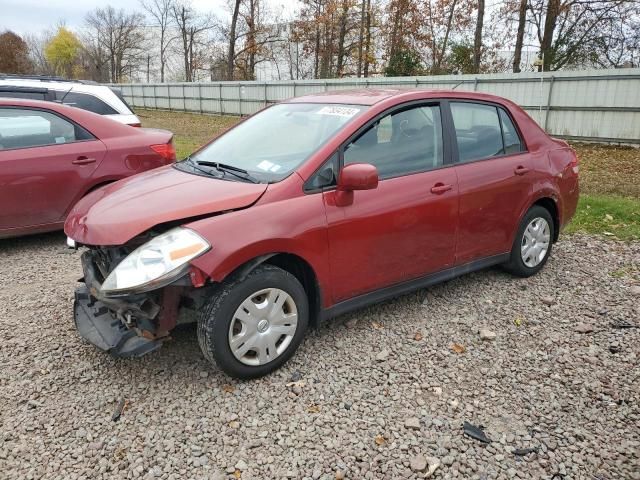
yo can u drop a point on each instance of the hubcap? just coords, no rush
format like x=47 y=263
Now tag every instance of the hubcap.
x=535 y=242
x=263 y=326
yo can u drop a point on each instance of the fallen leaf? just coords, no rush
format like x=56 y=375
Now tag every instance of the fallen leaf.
x=228 y=388
x=237 y=473
x=608 y=234
x=417 y=337
x=299 y=383
x=456 y=347
x=517 y=321
x=313 y=408
x=380 y=440
x=377 y=325
x=608 y=217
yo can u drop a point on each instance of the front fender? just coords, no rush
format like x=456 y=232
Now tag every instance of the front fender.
x=298 y=228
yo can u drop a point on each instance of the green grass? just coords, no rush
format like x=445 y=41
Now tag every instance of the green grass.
x=609 y=175
x=191 y=131
x=612 y=216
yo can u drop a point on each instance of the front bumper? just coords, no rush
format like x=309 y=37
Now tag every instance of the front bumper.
x=97 y=324
x=122 y=326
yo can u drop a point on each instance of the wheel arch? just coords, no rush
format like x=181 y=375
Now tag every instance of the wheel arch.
x=296 y=266
x=551 y=206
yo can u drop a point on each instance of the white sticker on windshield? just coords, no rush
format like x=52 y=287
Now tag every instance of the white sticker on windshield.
x=338 y=111
x=265 y=165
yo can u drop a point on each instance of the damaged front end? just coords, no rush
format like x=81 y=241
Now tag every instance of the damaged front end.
x=136 y=319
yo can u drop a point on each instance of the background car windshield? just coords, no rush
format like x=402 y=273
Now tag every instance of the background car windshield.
x=271 y=144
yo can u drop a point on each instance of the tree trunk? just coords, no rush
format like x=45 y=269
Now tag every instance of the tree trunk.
x=477 y=43
x=368 y=41
x=363 y=4
x=341 y=36
x=522 y=18
x=232 y=40
x=446 y=37
x=551 y=18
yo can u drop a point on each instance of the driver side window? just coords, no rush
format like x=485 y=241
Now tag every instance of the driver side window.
x=403 y=142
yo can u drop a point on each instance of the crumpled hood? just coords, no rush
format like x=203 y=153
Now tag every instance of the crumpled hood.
x=114 y=214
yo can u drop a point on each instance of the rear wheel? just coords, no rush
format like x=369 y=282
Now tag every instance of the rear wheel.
x=254 y=325
x=533 y=243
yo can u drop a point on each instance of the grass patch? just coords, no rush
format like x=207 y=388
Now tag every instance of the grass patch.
x=191 y=130
x=612 y=216
x=609 y=175
x=609 y=170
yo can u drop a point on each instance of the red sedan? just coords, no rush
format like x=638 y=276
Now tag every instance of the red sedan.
x=313 y=207
x=52 y=155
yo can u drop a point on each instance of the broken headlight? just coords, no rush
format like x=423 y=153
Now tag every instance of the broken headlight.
x=156 y=263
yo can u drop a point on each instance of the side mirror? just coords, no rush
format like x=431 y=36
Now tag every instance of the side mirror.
x=358 y=176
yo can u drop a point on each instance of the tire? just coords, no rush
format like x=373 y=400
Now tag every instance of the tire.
x=517 y=265
x=255 y=291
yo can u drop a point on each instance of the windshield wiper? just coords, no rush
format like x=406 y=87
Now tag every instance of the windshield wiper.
x=235 y=171
x=194 y=165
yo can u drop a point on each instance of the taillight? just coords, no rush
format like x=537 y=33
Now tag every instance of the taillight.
x=135 y=125
x=166 y=151
x=574 y=161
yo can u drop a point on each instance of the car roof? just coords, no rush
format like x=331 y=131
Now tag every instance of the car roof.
x=25 y=102
x=371 y=96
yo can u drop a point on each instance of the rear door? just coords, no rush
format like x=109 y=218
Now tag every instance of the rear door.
x=46 y=161
x=494 y=179
x=406 y=227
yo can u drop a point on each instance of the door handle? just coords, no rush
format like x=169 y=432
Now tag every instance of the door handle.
x=520 y=170
x=82 y=160
x=440 y=188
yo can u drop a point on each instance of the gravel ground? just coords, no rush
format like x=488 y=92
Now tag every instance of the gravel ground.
x=381 y=393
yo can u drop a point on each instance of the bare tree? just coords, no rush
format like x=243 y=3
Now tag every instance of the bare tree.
x=477 y=40
x=232 y=39
x=191 y=28
x=522 y=18
x=120 y=36
x=160 y=12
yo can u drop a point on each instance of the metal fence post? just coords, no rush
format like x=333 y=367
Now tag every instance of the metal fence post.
x=184 y=100
x=155 y=97
x=200 y=96
x=240 y=98
x=546 y=113
x=475 y=84
x=266 y=100
x=220 y=99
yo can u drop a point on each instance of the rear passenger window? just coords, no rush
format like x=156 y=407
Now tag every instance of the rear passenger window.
x=408 y=141
x=478 y=131
x=85 y=102
x=22 y=128
x=512 y=142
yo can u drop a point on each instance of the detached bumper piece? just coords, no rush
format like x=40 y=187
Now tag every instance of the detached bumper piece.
x=96 y=324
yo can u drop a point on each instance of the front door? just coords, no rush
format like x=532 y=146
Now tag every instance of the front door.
x=405 y=228
x=45 y=162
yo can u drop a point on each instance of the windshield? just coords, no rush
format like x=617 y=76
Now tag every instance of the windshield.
x=274 y=142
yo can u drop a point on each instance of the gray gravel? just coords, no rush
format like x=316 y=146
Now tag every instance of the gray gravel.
x=380 y=393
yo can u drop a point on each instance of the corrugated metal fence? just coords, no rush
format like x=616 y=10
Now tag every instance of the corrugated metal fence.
x=594 y=105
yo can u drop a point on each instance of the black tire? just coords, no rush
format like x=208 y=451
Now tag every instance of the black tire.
x=516 y=265
x=214 y=319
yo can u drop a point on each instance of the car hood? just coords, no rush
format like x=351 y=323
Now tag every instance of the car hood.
x=116 y=213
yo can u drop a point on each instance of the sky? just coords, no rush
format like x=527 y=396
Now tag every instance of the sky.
x=32 y=16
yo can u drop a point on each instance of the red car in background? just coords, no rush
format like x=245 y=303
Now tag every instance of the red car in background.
x=52 y=155
x=314 y=207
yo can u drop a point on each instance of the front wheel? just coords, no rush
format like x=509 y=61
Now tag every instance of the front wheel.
x=254 y=325
x=533 y=243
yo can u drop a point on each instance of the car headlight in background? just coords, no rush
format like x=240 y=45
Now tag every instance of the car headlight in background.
x=157 y=262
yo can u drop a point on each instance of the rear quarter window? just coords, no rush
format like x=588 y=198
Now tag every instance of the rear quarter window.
x=86 y=102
